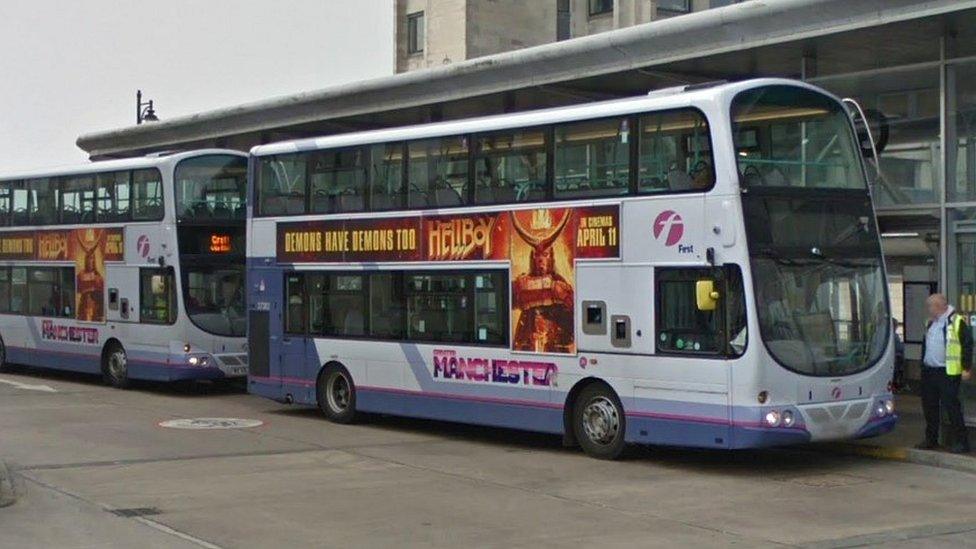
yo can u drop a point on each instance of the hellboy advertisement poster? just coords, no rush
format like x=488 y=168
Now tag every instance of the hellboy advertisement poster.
x=541 y=246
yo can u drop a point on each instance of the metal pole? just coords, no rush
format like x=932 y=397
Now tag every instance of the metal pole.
x=138 y=107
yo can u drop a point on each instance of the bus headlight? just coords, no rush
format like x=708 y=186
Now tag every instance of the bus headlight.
x=889 y=406
x=880 y=409
x=772 y=418
x=788 y=419
x=198 y=360
x=194 y=360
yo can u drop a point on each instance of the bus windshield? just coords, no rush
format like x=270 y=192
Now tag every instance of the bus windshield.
x=787 y=136
x=819 y=281
x=215 y=298
x=211 y=188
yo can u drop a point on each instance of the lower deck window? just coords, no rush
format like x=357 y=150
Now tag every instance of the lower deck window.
x=458 y=307
x=38 y=291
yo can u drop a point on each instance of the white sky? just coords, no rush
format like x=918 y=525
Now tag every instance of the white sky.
x=69 y=67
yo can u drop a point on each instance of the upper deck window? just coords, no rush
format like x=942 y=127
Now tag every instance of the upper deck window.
x=211 y=188
x=510 y=167
x=438 y=172
x=593 y=158
x=637 y=153
x=675 y=152
x=787 y=136
x=338 y=180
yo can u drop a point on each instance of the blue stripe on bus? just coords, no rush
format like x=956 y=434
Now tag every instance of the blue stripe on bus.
x=142 y=365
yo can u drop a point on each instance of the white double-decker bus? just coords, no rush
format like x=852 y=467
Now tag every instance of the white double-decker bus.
x=129 y=268
x=697 y=267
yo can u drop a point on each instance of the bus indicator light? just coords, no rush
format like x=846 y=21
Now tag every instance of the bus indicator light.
x=220 y=243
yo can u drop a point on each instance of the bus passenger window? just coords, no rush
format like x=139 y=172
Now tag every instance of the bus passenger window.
x=78 y=200
x=18 y=290
x=112 y=196
x=675 y=153
x=4 y=290
x=593 y=158
x=20 y=202
x=43 y=201
x=510 y=167
x=336 y=304
x=387 y=309
x=438 y=172
x=295 y=304
x=6 y=199
x=67 y=305
x=338 y=180
x=157 y=296
x=386 y=176
x=281 y=185
x=147 y=195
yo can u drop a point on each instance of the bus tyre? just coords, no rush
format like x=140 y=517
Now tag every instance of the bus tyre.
x=598 y=422
x=4 y=365
x=336 y=394
x=115 y=366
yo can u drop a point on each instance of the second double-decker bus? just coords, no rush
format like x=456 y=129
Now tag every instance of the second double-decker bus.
x=697 y=267
x=133 y=268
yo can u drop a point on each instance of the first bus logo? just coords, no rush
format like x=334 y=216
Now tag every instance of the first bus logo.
x=142 y=245
x=669 y=224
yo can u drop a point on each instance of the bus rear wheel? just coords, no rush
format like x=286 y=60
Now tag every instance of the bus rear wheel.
x=336 y=394
x=4 y=365
x=598 y=422
x=115 y=366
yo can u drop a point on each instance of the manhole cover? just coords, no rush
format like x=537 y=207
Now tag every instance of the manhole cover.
x=203 y=423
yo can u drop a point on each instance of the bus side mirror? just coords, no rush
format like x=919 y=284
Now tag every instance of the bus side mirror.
x=706 y=296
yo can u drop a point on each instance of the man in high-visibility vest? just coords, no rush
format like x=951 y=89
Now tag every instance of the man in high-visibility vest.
x=947 y=356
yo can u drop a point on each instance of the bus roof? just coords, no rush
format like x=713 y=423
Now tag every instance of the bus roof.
x=149 y=161
x=657 y=100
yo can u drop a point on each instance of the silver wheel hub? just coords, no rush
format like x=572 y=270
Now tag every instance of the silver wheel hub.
x=601 y=421
x=338 y=393
x=116 y=364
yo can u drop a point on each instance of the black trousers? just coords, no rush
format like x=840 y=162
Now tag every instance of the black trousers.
x=942 y=391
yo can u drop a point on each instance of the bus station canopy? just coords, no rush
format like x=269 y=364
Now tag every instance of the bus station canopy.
x=793 y=38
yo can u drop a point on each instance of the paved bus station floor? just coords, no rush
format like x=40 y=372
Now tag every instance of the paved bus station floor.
x=163 y=466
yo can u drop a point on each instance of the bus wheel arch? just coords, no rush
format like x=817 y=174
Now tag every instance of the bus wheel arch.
x=593 y=395
x=115 y=369
x=335 y=393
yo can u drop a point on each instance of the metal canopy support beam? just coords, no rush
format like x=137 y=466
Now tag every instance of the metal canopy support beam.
x=710 y=32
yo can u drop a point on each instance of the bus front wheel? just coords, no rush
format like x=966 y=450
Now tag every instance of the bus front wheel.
x=115 y=366
x=598 y=422
x=336 y=394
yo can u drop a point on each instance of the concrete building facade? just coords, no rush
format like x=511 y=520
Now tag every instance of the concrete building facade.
x=457 y=30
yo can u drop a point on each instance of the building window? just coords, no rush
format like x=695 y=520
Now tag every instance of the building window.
x=674 y=6
x=600 y=7
x=563 y=20
x=416 y=32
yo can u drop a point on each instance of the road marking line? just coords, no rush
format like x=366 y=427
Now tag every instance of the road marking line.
x=28 y=387
x=173 y=532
